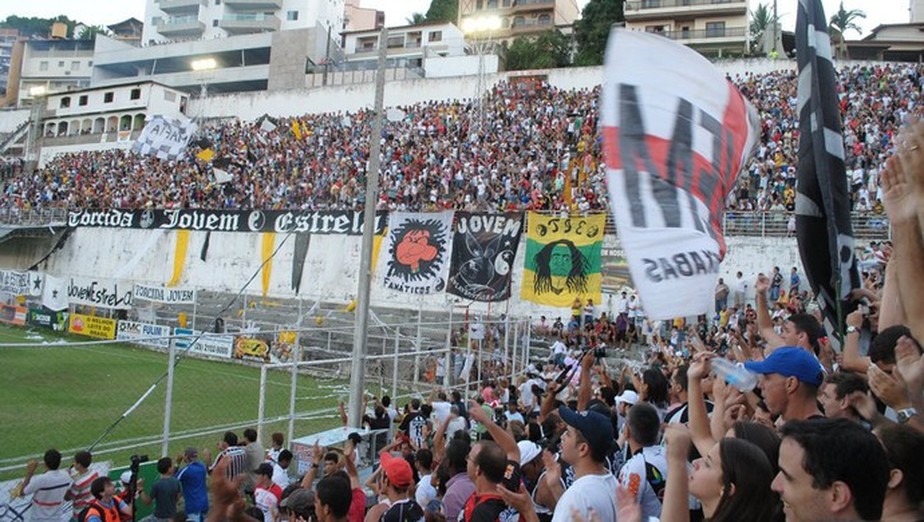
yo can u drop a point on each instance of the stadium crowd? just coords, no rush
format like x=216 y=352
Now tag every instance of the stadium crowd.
x=747 y=416
x=529 y=145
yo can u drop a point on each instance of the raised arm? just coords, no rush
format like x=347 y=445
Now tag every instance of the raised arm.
x=676 y=493
x=584 y=391
x=903 y=195
x=498 y=434
x=764 y=322
x=851 y=359
x=316 y=456
x=700 y=431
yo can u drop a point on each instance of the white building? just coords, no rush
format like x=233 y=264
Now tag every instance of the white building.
x=177 y=20
x=55 y=65
x=103 y=118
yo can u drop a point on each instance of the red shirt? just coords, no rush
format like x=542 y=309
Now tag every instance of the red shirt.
x=357 y=510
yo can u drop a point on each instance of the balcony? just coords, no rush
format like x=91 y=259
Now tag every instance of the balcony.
x=254 y=4
x=178 y=7
x=181 y=26
x=532 y=5
x=637 y=10
x=717 y=35
x=249 y=23
x=531 y=25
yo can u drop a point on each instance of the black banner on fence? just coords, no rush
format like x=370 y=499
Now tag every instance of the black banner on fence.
x=45 y=318
x=345 y=222
x=484 y=246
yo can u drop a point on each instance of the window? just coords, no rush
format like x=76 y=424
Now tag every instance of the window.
x=65 y=102
x=395 y=41
x=135 y=94
x=43 y=66
x=435 y=36
x=217 y=2
x=108 y=97
x=656 y=29
x=75 y=65
x=715 y=29
x=83 y=100
x=215 y=23
x=156 y=21
x=61 y=64
x=291 y=16
x=545 y=19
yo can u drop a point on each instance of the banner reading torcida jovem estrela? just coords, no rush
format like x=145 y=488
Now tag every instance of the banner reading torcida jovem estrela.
x=676 y=133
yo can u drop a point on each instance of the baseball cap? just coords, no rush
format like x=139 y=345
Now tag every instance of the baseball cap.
x=790 y=361
x=126 y=477
x=596 y=428
x=191 y=452
x=397 y=470
x=627 y=397
x=529 y=450
x=300 y=501
x=265 y=469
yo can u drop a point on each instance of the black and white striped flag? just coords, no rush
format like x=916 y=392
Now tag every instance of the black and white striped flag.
x=823 y=228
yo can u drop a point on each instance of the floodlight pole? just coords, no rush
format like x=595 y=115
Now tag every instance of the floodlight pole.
x=358 y=366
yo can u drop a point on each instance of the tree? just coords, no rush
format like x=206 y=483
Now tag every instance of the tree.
x=547 y=50
x=841 y=22
x=593 y=28
x=443 y=11
x=35 y=26
x=416 y=19
x=89 y=33
x=762 y=20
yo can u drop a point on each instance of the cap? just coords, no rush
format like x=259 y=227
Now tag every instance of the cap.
x=300 y=501
x=265 y=469
x=627 y=397
x=790 y=361
x=397 y=470
x=529 y=450
x=126 y=477
x=596 y=428
x=191 y=452
x=532 y=370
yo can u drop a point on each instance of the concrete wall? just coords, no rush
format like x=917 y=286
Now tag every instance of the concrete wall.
x=331 y=267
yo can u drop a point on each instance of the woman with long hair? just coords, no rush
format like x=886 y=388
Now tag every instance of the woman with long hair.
x=732 y=481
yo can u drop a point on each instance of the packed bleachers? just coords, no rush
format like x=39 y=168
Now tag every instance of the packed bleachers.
x=515 y=151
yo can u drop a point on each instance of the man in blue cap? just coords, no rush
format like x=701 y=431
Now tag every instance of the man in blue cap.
x=585 y=445
x=789 y=381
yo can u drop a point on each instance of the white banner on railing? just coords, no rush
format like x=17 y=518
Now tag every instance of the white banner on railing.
x=209 y=344
x=142 y=333
x=14 y=282
x=161 y=294
x=99 y=292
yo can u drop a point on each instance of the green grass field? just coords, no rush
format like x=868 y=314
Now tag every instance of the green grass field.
x=64 y=396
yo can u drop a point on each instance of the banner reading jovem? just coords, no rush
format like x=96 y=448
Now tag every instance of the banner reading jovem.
x=99 y=292
x=281 y=221
x=483 y=249
x=676 y=133
x=161 y=294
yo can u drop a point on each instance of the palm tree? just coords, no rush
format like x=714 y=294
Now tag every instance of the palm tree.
x=761 y=22
x=416 y=19
x=842 y=21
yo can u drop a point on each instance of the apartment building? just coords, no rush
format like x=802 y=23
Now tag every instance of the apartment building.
x=54 y=65
x=715 y=28
x=518 y=17
x=179 y=20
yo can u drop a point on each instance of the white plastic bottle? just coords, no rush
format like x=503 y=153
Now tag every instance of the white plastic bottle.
x=734 y=375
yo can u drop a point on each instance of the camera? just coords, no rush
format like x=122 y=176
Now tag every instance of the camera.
x=600 y=352
x=136 y=461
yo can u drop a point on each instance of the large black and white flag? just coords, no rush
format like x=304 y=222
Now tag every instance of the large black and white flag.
x=165 y=138
x=826 y=242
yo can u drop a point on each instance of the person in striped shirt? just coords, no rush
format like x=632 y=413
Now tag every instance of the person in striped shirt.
x=47 y=489
x=237 y=457
x=83 y=476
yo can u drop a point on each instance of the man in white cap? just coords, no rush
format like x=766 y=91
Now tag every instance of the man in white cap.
x=531 y=470
x=624 y=401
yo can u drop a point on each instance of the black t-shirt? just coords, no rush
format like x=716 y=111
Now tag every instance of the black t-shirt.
x=483 y=508
x=413 y=424
x=404 y=511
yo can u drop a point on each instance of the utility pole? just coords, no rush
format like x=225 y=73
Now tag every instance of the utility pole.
x=358 y=366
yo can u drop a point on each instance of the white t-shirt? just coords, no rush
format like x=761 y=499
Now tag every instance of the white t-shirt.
x=632 y=476
x=457 y=424
x=267 y=502
x=48 y=490
x=590 y=491
x=280 y=476
x=425 y=492
x=441 y=411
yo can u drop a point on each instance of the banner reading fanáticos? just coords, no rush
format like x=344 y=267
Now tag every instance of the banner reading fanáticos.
x=562 y=259
x=415 y=257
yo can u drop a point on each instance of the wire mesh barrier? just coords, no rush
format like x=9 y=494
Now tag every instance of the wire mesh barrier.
x=280 y=366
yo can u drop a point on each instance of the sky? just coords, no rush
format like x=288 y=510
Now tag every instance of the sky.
x=106 y=12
